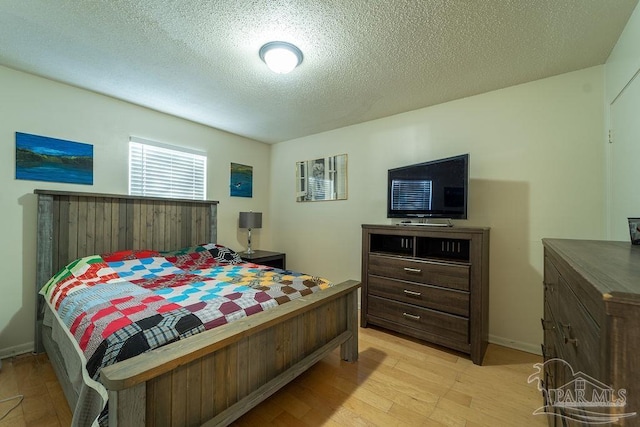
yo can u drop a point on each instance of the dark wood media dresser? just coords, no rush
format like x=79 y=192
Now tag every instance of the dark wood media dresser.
x=431 y=283
x=592 y=322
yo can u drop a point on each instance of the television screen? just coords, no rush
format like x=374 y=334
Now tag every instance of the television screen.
x=435 y=189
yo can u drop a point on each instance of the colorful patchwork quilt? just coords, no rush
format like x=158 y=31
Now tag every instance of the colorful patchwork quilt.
x=122 y=304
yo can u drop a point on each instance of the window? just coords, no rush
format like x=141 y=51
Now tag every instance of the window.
x=159 y=170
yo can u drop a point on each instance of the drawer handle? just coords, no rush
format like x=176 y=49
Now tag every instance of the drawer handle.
x=567 y=340
x=547 y=324
x=573 y=341
x=412 y=270
x=412 y=293
x=567 y=326
x=411 y=316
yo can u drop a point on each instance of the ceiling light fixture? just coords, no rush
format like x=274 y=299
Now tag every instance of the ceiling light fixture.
x=281 y=57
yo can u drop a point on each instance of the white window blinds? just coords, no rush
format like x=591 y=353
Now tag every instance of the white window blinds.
x=411 y=194
x=158 y=170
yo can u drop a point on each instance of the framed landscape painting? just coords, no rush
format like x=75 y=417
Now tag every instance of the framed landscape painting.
x=241 y=181
x=40 y=158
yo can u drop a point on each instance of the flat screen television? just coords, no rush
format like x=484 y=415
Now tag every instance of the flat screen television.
x=434 y=189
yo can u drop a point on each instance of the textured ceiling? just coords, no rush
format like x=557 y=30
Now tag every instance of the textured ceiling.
x=363 y=59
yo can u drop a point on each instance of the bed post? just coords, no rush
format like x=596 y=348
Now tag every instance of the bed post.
x=213 y=224
x=44 y=261
x=349 y=349
x=128 y=407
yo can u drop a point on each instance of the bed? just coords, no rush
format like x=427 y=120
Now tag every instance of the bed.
x=211 y=378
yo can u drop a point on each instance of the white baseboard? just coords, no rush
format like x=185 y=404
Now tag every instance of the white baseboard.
x=518 y=345
x=16 y=350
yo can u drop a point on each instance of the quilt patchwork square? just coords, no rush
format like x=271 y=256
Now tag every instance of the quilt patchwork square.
x=143 y=268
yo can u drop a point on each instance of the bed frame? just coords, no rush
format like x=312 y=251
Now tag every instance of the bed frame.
x=208 y=379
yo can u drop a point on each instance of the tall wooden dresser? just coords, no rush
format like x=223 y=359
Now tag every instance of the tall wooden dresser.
x=431 y=283
x=592 y=324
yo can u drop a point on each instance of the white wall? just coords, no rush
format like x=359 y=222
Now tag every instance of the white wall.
x=622 y=87
x=536 y=170
x=35 y=105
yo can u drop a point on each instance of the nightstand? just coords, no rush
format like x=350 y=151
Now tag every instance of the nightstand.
x=271 y=259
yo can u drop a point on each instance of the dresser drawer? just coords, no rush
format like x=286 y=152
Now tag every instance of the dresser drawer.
x=454 y=276
x=578 y=335
x=454 y=328
x=551 y=283
x=443 y=299
x=549 y=328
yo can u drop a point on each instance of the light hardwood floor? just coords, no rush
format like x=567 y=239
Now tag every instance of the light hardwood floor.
x=397 y=382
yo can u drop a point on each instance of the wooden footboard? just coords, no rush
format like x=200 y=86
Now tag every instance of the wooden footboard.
x=214 y=377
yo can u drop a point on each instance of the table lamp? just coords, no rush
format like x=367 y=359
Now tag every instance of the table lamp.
x=250 y=220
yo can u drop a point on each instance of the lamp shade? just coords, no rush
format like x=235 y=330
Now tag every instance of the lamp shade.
x=250 y=220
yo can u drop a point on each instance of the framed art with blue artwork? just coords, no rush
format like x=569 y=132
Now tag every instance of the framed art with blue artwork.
x=241 y=184
x=40 y=158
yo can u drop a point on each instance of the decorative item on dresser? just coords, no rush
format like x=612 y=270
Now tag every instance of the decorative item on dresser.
x=634 y=230
x=592 y=324
x=428 y=282
x=268 y=258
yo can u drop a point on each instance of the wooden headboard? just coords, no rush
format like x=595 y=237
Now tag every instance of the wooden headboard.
x=72 y=225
